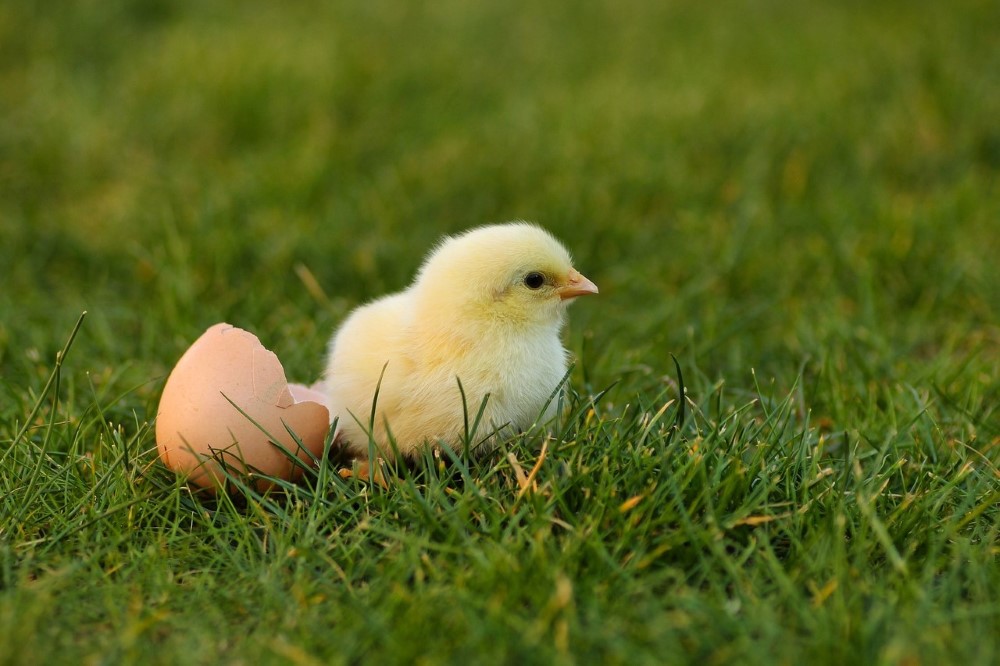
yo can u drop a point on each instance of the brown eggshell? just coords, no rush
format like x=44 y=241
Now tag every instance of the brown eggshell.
x=197 y=426
x=314 y=393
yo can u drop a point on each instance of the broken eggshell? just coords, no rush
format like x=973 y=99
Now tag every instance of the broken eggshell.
x=199 y=425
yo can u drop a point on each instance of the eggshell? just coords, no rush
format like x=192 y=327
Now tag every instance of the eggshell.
x=314 y=393
x=199 y=423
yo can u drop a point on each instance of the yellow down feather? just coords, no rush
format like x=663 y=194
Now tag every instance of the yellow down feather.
x=486 y=308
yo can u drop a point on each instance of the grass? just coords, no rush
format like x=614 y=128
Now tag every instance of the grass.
x=799 y=202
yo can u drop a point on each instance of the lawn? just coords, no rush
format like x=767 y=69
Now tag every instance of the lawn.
x=799 y=202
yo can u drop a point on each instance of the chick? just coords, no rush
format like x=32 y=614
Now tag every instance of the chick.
x=485 y=309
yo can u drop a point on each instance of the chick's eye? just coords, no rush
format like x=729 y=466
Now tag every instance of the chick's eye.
x=534 y=280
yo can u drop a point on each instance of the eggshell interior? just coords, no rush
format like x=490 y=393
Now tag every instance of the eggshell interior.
x=199 y=424
x=314 y=393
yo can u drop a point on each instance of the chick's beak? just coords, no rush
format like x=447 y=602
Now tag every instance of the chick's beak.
x=576 y=285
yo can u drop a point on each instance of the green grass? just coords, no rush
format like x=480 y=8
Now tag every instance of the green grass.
x=800 y=201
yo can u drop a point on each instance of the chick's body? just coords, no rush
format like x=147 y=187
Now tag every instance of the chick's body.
x=486 y=309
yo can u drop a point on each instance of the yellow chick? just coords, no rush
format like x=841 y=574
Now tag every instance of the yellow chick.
x=486 y=309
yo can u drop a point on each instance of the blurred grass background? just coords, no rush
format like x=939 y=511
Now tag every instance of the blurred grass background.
x=749 y=178
x=809 y=190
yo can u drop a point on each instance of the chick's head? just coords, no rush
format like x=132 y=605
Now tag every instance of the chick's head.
x=516 y=274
